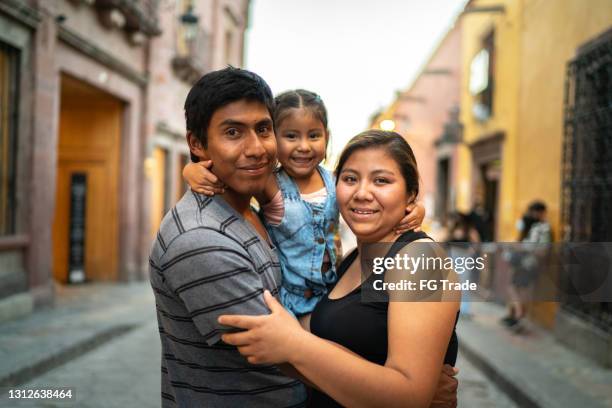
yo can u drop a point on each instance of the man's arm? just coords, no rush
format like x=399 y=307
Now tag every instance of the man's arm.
x=212 y=275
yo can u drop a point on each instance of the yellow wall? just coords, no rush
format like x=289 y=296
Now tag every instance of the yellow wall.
x=552 y=31
x=505 y=102
x=535 y=39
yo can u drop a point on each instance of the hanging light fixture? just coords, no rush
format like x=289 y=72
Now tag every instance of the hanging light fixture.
x=190 y=23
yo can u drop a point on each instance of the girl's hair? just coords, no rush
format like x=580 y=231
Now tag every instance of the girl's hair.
x=299 y=98
x=394 y=145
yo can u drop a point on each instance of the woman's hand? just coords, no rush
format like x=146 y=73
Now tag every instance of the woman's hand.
x=415 y=213
x=201 y=179
x=267 y=339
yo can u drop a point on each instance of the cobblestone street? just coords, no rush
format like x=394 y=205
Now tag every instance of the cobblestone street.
x=477 y=391
x=124 y=372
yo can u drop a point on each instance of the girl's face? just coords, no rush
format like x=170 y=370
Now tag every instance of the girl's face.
x=301 y=141
x=371 y=194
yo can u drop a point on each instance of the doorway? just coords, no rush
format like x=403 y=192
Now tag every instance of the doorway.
x=85 y=226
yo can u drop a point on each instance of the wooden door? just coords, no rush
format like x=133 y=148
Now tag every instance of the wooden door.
x=89 y=136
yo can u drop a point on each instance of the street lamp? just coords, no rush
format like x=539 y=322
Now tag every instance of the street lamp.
x=190 y=23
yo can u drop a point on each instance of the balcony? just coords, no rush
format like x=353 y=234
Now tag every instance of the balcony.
x=193 y=56
x=137 y=17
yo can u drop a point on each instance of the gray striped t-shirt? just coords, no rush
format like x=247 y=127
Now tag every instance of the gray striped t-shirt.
x=207 y=261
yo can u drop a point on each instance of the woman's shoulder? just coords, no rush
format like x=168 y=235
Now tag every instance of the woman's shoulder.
x=414 y=236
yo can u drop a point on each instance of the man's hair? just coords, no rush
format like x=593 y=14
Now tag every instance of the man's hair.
x=217 y=89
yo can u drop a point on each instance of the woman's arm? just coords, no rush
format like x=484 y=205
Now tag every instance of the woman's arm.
x=409 y=377
x=290 y=370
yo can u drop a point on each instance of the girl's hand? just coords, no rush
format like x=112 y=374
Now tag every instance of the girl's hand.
x=201 y=179
x=267 y=339
x=415 y=213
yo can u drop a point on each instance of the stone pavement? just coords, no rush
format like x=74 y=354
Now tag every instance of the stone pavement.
x=102 y=340
x=124 y=372
x=532 y=367
x=478 y=391
x=84 y=317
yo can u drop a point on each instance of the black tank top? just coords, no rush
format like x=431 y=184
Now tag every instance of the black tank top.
x=361 y=326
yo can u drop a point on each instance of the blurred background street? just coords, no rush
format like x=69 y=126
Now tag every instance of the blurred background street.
x=507 y=105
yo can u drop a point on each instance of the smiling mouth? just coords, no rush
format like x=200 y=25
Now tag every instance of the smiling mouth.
x=255 y=168
x=363 y=211
x=302 y=160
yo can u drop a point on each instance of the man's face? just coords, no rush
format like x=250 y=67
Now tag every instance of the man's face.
x=241 y=145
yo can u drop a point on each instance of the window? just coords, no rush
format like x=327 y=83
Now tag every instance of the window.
x=486 y=97
x=9 y=81
x=481 y=80
x=586 y=193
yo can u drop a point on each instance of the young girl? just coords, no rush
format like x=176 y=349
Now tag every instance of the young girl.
x=299 y=204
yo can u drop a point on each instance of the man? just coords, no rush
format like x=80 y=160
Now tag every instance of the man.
x=212 y=255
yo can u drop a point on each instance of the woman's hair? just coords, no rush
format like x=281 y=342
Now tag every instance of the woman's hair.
x=299 y=98
x=394 y=145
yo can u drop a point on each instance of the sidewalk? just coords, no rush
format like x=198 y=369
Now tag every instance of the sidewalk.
x=532 y=368
x=84 y=317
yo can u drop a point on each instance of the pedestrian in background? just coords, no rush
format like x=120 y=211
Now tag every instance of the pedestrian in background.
x=461 y=233
x=533 y=229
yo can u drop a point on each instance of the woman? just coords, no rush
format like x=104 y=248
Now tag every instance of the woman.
x=359 y=353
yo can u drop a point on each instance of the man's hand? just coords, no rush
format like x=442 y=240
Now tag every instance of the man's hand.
x=446 y=393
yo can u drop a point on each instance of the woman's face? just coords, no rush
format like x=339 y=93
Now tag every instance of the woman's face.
x=301 y=140
x=371 y=194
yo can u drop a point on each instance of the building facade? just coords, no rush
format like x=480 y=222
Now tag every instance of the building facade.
x=90 y=90
x=539 y=67
x=426 y=113
x=180 y=56
x=533 y=92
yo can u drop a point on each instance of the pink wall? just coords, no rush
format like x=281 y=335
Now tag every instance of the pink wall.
x=439 y=93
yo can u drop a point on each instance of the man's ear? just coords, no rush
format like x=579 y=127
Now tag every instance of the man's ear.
x=196 y=147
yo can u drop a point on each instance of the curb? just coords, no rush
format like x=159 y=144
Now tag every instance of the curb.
x=71 y=352
x=504 y=383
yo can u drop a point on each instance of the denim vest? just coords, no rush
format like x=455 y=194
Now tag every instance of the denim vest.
x=306 y=231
